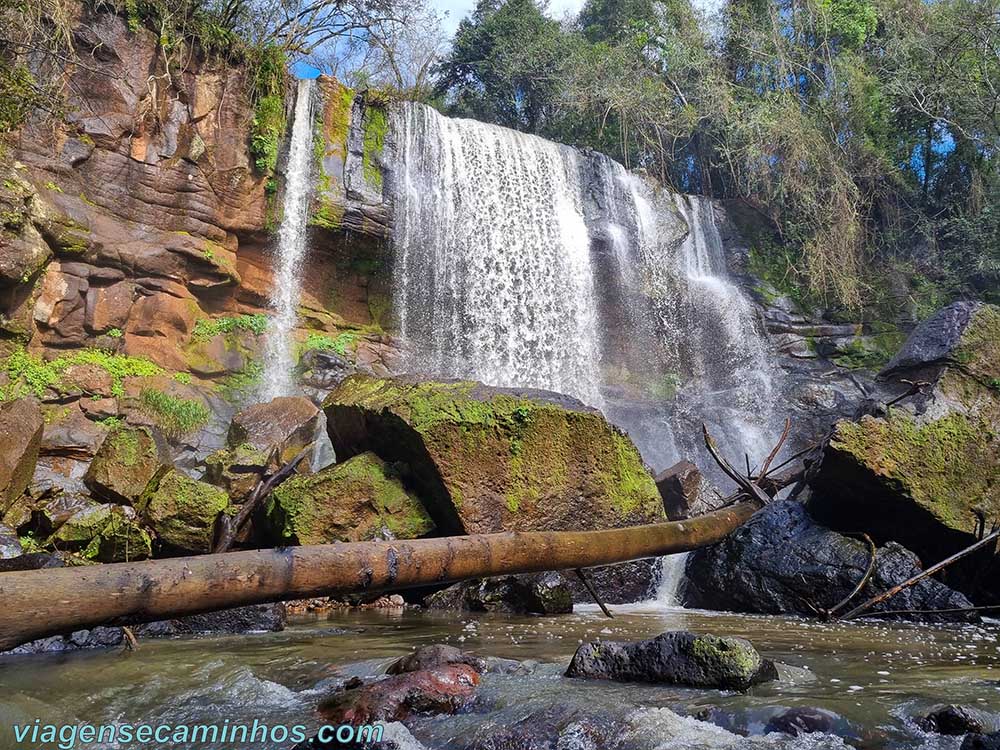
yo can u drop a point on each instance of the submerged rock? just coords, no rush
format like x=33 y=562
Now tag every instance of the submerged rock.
x=353 y=501
x=183 y=511
x=675 y=658
x=981 y=742
x=441 y=690
x=796 y=721
x=782 y=562
x=554 y=728
x=439 y=654
x=951 y=720
x=529 y=594
x=21 y=429
x=129 y=459
x=493 y=459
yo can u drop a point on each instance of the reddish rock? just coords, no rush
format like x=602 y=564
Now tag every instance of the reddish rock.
x=441 y=690
x=108 y=307
x=21 y=429
x=287 y=423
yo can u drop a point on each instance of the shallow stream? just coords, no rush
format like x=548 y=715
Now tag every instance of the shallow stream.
x=873 y=676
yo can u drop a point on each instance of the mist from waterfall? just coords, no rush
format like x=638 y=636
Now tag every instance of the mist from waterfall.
x=290 y=252
x=521 y=262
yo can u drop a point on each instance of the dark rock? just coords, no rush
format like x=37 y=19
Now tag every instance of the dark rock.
x=625 y=583
x=437 y=655
x=675 y=658
x=553 y=728
x=936 y=338
x=183 y=511
x=286 y=424
x=951 y=720
x=105 y=533
x=445 y=689
x=21 y=429
x=536 y=593
x=100 y=637
x=981 y=742
x=796 y=721
x=324 y=369
x=783 y=562
x=686 y=492
x=34 y=561
x=256 y=618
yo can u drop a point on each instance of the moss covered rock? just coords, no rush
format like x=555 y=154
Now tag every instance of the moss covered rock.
x=351 y=501
x=183 y=511
x=490 y=459
x=675 y=658
x=129 y=459
x=105 y=533
x=237 y=470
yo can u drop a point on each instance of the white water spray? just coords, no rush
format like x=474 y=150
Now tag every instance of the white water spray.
x=279 y=362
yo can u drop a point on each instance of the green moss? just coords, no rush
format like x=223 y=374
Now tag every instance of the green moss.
x=268 y=124
x=235 y=386
x=872 y=352
x=184 y=378
x=376 y=125
x=978 y=352
x=126 y=447
x=53 y=187
x=175 y=416
x=39 y=375
x=340 y=344
x=732 y=657
x=206 y=328
x=328 y=215
x=183 y=511
x=948 y=466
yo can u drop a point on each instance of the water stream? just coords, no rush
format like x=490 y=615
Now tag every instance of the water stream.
x=875 y=677
x=290 y=251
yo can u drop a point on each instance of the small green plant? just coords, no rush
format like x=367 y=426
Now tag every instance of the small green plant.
x=208 y=255
x=206 y=328
x=50 y=185
x=39 y=375
x=340 y=344
x=112 y=423
x=175 y=416
x=115 y=333
x=184 y=378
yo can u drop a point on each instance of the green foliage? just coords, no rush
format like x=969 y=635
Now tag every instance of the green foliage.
x=184 y=378
x=37 y=375
x=340 y=344
x=175 y=416
x=376 y=125
x=19 y=95
x=115 y=333
x=268 y=94
x=206 y=328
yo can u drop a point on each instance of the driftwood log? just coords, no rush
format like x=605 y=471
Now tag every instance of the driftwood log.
x=40 y=603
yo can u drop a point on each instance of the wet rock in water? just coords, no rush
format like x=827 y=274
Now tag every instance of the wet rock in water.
x=437 y=655
x=21 y=428
x=10 y=545
x=257 y=618
x=286 y=424
x=534 y=593
x=928 y=472
x=129 y=459
x=496 y=459
x=782 y=562
x=675 y=658
x=796 y=721
x=105 y=533
x=686 y=492
x=981 y=742
x=441 y=690
x=353 y=501
x=554 y=728
x=183 y=511
x=628 y=582
x=395 y=736
x=951 y=720
x=100 y=637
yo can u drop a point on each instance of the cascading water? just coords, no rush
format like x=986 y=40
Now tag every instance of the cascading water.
x=493 y=279
x=279 y=362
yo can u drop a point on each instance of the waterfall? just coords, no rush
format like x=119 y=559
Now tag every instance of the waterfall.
x=493 y=278
x=279 y=355
x=671 y=575
x=521 y=262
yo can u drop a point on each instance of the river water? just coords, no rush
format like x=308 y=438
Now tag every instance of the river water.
x=875 y=676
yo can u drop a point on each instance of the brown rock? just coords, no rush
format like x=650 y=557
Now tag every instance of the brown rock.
x=85 y=379
x=21 y=428
x=127 y=462
x=436 y=655
x=686 y=492
x=108 y=307
x=163 y=315
x=441 y=690
x=287 y=423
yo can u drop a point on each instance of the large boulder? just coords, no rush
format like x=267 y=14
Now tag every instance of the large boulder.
x=21 y=428
x=129 y=459
x=675 y=658
x=183 y=511
x=926 y=473
x=532 y=594
x=286 y=424
x=353 y=501
x=489 y=459
x=782 y=562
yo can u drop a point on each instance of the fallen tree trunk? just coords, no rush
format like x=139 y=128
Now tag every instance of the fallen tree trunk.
x=40 y=603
